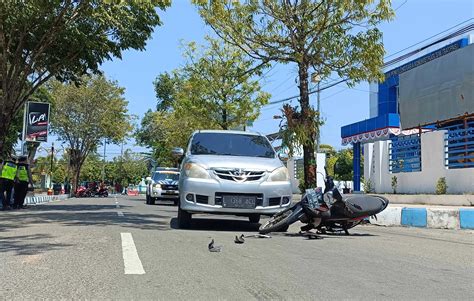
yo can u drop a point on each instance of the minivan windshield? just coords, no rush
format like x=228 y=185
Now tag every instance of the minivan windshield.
x=165 y=175
x=227 y=144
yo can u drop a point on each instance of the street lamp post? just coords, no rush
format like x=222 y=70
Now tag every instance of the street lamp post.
x=315 y=78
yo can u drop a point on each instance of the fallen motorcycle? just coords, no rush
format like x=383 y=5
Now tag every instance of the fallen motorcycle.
x=326 y=212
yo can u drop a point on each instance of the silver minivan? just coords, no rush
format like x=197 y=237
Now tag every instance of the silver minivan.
x=231 y=172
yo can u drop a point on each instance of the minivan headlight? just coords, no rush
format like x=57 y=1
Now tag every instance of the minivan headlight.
x=279 y=174
x=193 y=170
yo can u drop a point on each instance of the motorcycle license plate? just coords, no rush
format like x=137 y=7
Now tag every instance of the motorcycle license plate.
x=239 y=201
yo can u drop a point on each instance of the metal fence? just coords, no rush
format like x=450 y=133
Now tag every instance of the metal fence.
x=405 y=154
x=459 y=146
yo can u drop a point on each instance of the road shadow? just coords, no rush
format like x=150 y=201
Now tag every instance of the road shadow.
x=82 y=215
x=29 y=244
x=212 y=224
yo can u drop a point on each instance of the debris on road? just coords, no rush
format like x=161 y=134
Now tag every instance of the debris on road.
x=258 y=236
x=239 y=240
x=213 y=248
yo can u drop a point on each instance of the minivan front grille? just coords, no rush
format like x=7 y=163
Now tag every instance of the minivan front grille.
x=239 y=175
x=274 y=201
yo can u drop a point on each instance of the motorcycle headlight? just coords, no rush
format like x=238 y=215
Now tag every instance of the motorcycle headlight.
x=157 y=186
x=279 y=174
x=193 y=170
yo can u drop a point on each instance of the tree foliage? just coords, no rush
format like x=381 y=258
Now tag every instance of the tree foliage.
x=324 y=36
x=220 y=85
x=83 y=116
x=217 y=88
x=63 y=39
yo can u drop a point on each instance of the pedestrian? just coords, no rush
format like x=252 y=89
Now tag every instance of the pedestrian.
x=7 y=181
x=23 y=179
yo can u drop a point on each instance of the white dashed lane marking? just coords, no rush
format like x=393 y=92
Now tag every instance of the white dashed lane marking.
x=131 y=261
x=120 y=213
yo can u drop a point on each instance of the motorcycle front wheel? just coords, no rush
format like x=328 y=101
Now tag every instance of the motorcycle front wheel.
x=281 y=220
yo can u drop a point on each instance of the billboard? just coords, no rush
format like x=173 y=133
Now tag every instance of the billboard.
x=36 y=121
x=439 y=90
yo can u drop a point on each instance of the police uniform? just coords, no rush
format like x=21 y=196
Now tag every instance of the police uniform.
x=7 y=180
x=21 y=186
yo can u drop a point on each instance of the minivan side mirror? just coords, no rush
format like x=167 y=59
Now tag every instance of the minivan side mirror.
x=177 y=152
x=283 y=157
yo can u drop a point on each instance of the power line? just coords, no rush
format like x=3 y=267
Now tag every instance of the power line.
x=463 y=30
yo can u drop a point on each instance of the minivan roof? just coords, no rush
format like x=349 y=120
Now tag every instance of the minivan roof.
x=228 y=132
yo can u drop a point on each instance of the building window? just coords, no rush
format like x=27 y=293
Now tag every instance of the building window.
x=405 y=154
x=459 y=145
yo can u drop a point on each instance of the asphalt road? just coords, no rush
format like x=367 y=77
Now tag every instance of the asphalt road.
x=123 y=249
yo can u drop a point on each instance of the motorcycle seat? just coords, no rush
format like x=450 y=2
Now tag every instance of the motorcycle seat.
x=365 y=205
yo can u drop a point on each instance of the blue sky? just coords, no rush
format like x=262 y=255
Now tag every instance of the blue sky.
x=415 y=21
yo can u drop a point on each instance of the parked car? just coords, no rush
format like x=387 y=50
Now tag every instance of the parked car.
x=231 y=172
x=163 y=185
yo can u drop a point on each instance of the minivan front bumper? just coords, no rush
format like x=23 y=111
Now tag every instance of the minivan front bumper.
x=204 y=196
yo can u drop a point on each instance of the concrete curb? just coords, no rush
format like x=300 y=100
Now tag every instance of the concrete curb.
x=33 y=200
x=426 y=217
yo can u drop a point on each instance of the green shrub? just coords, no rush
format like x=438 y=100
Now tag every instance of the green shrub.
x=394 y=184
x=441 y=186
x=368 y=188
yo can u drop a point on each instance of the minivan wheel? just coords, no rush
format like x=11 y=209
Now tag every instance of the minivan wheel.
x=254 y=218
x=184 y=219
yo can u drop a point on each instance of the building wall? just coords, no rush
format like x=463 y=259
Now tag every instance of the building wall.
x=432 y=156
x=293 y=170
x=373 y=99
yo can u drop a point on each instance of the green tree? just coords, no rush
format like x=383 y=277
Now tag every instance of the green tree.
x=217 y=88
x=220 y=85
x=323 y=36
x=83 y=116
x=129 y=168
x=63 y=39
x=42 y=166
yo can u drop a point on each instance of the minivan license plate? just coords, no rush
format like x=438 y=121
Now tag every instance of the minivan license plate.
x=239 y=201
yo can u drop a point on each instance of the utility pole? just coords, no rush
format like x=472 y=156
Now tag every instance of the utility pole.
x=315 y=78
x=318 y=119
x=51 y=167
x=103 y=166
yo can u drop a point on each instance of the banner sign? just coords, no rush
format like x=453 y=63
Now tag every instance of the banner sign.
x=427 y=58
x=36 y=121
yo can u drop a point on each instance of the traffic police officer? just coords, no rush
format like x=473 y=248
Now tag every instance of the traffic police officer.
x=21 y=185
x=7 y=180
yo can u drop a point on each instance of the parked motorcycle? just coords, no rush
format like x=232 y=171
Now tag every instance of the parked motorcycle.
x=83 y=192
x=326 y=211
x=102 y=192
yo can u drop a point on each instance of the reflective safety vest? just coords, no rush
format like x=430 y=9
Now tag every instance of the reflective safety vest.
x=9 y=171
x=23 y=173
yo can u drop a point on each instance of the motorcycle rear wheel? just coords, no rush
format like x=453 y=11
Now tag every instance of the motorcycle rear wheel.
x=280 y=221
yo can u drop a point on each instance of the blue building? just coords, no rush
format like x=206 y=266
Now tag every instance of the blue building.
x=421 y=125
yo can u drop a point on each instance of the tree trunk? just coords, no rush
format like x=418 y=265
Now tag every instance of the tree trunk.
x=224 y=119
x=309 y=160
x=5 y=121
x=75 y=165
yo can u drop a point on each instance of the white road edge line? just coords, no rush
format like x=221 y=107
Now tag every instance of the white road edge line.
x=131 y=261
x=120 y=213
